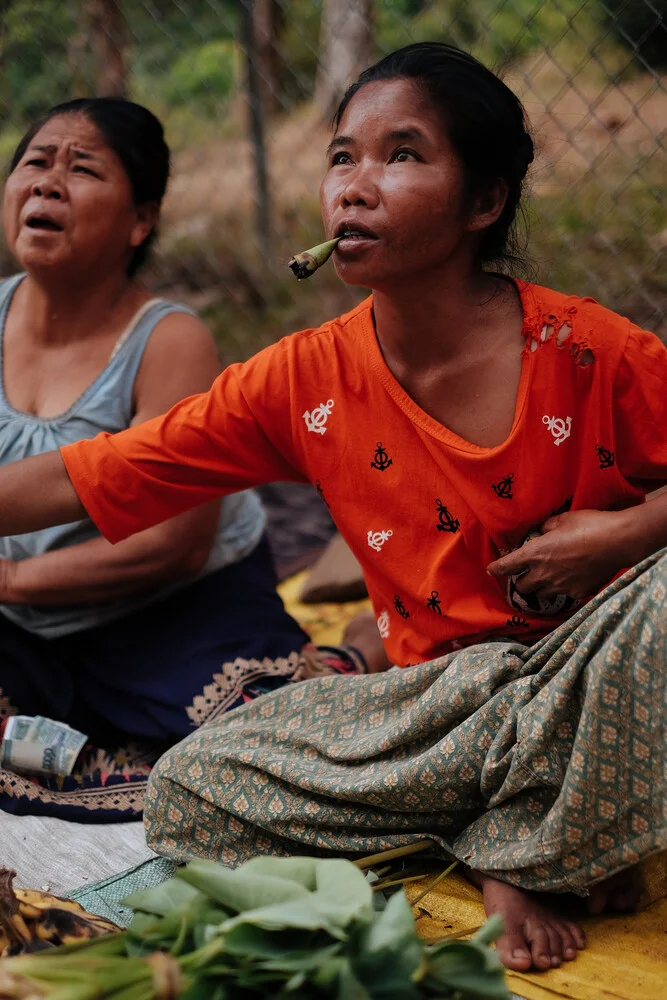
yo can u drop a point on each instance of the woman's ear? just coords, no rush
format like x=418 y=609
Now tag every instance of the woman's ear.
x=146 y=220
x=487 y=207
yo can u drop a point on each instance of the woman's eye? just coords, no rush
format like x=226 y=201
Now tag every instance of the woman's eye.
x=35 y=162
x=83 y=170
x=338 y=158
x=404 y=156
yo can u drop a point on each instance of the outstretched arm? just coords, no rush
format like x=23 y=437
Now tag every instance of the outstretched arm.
x=238 y=435
x=96 y=571
x=37 y=493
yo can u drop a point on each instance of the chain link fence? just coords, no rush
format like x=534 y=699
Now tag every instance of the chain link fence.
x=246 y=88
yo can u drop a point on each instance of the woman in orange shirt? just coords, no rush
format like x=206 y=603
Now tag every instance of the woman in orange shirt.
x=485 y=446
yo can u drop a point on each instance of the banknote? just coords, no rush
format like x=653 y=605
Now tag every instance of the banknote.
x=37 y=745
x=35 y=758
x=17 y=726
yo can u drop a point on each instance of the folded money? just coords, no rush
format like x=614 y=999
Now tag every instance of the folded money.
x=37 y=745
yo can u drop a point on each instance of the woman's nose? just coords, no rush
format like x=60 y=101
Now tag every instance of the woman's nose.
x=360 y=189
x=48 y=186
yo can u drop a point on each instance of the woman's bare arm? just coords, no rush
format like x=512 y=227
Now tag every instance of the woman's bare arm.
x=95 y=571
x=37 y=493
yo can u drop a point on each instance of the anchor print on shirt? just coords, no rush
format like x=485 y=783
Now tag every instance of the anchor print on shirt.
x=433 y=603
x=383 y=624
x=446 y=522
x=400 y=607
x=316 y=420
x=381 y=460
x=606 y=458
x=376 y=539
x=561 y=429
x=503 y=489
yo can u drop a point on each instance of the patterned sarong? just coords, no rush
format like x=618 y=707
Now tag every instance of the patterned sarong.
x=543 y=766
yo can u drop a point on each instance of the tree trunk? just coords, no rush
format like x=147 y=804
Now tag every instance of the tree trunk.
x=256 y=115
x=107 y=32
x=268 y=17
x=345 y=49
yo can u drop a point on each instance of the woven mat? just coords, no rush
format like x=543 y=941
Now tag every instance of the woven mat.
x=104 y=898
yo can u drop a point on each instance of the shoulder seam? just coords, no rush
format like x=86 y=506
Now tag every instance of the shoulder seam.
x=328 y=326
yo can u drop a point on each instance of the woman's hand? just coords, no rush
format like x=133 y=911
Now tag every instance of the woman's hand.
x=577 y=554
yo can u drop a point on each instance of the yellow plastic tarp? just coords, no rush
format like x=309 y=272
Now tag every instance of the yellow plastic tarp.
x=626 y=957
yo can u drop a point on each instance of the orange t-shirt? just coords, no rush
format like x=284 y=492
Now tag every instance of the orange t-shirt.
x=424 y=511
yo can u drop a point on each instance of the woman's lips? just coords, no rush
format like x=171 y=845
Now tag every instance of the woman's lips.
x=42 y=224
x=355 y=243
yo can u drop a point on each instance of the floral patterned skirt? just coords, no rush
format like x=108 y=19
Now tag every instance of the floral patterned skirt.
x=544 y=766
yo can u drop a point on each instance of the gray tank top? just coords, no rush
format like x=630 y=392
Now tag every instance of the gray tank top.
x=106 y=405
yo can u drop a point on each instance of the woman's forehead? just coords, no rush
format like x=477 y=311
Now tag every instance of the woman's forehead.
x=385 y=104
x=70 y=129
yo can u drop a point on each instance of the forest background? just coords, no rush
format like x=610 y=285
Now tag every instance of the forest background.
x=246 y=88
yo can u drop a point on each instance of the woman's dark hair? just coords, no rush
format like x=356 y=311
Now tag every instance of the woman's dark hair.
x=136 y=137
x=485 y=123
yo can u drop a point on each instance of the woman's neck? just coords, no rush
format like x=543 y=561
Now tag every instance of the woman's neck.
x=440 y=317
x=56 y=312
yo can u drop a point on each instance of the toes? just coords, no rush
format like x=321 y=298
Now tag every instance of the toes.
x=555 y=946
x=569 y=946
x=514 y=952
x=577 y=933
x=537 y=935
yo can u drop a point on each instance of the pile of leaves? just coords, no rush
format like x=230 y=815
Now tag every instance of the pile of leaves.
x=289 y=928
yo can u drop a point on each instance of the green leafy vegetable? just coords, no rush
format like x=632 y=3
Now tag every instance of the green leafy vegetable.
x=285 y=928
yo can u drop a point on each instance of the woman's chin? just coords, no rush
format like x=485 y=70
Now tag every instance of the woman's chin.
x=357 y=273
x=39 y=259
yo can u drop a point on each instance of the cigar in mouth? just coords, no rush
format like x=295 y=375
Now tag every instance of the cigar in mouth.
x=304 y=264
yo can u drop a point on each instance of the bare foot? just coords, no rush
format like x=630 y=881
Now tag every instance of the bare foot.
x=618 y=894
x=534 y=937
x=362 y=633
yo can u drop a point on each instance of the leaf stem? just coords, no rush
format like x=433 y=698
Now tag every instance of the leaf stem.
x=396 y=852
x=385 y=883
x=433 y=884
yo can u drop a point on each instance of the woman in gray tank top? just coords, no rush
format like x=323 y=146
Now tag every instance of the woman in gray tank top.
x=145 y=639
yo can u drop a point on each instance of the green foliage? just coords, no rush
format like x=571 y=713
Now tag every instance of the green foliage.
x=640 y=26
x=497 y=31
x=312 y=933
x=36 y=73
x=202 y=77
x=588 y=241
x=46 y=58
x=317 y=937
